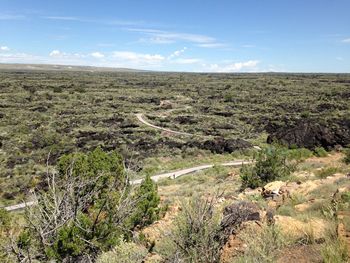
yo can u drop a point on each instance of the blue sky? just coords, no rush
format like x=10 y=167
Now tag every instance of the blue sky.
x=179 y=35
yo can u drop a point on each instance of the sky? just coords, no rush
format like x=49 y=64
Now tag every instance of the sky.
x=179 y=35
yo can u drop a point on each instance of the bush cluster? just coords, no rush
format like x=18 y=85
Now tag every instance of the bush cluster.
x=87 y=207
x=270 y=165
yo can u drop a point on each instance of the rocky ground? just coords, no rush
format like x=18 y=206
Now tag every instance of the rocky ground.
x=307 y=212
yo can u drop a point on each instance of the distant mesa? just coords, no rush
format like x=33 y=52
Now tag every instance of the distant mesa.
x=49 y=67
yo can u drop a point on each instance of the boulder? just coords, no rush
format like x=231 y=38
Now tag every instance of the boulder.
x=236 y=214
x=273 y=189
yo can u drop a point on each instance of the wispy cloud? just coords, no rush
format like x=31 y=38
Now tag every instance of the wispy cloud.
x=248 y=46
x=110 y=22
x=156 y=40
x=65 y=18
x=131 y=59
x=346 y=40
x=164 y=37
x=11 y=17
x=105 y=45
x=18 y=58
x=212 y=45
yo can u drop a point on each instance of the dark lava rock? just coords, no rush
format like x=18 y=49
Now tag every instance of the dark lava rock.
x=235 y=214
x=221 y=145
x=128 y=124
x=185 y=119
x=40 y=109
x=311 y=134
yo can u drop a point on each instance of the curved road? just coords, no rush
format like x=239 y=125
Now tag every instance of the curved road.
x=171 y=175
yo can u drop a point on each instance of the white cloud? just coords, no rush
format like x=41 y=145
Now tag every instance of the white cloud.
x=97 y=55
x=339 y=58
x=177 y=53
x=156 y=40
x=187 y=61
x=57 y=56
x=18 y=58
x=56 y=53
x=248 y=46
x=4 y=48
x=130 y=59
x=234 y=67
x=347 y=40
x=166 y=36
x=105 y=45
x=212 y=45
x=138 y=58
x=65 y=18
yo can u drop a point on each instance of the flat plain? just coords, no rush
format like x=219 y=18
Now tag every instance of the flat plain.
x=47 y=113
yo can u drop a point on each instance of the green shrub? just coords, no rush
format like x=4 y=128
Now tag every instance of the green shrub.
x=334 y=251
x=347 y=156
x=97 y=162
x=346 y=197
x=305 y=114
x=5 y=218
x=80 y=89
x=147 y=209
x=270 y=165
x=262 y=246
x=299 y=154
x=194 y=237
x=320 y=152
x=327 y=171
x=92 y=204
x=124 y=252
x=57 y=89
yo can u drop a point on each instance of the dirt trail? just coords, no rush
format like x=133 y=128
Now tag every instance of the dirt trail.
x=139 y=116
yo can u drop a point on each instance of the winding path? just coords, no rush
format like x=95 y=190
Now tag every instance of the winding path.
x=139 y=116
x=175 y=174
x=171 y=175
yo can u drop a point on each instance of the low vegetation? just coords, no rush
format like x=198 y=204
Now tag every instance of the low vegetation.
x=270 y=165
x=63 y=112
x=70 y=142
x=85 y=208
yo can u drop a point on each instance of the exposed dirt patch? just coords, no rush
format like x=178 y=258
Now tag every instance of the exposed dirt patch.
x=314 y=228
x=156 y=231
x=301 y=254
x=333 y=159
x=343 y=232
x=233 y=248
